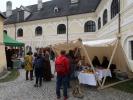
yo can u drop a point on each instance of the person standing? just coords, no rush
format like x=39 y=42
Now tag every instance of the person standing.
x=28 y=66
x=70 y=57
x=9 y=54
x=62 y=69
x=47 y=67
x=38 y=66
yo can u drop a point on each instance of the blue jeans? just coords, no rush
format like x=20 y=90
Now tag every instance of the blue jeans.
x=61 y=80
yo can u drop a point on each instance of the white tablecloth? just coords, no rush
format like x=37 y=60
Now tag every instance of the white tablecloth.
x=86 y=78
x=89 y=78
x=102 y=73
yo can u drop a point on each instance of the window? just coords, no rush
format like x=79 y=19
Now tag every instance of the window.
x=56 y=9
x=114 y=8
x=20 y=32
x=105 y=17
x=90 y=26
x=61 y=29
x=99 y=22
x=74 y=1
x=38 y=31
x=5 y=31
x=132 y=50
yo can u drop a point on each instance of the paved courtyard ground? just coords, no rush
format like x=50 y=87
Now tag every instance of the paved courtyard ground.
x=24 y=90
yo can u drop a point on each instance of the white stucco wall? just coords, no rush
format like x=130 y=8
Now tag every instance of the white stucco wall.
x=50 y=36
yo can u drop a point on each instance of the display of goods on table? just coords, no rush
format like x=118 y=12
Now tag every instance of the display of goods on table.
x=90 y=71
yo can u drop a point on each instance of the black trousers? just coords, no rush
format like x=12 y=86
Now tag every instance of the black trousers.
x=31 y=75
x=39 y=75
x=39 y=81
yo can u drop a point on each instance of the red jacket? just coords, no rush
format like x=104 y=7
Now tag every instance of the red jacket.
x=65 y=62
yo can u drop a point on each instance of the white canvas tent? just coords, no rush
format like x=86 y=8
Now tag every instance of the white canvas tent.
x=110 y=48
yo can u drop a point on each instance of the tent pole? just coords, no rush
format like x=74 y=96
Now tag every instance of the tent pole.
x=110 y=85
x=24 y=50
x=54 y=50
x=88 y=58
x=76 y=52
x=110 y=62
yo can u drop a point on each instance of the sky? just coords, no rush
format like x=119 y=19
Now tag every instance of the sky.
x=17 y=3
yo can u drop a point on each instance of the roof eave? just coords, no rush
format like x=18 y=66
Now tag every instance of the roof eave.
x=2 y=16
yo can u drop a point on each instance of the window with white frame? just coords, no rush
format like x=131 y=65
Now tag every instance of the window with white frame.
x=90 y=26
x=38 y=31
x=105 y=17
x=61 y=29
x=114 y=8
x=20 y=32
x=99 y=22
x=5 y=31
x=131 y=49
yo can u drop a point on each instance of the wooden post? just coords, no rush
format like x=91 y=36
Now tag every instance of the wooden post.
x=54 y=50
x=110 y=62
x=76 y=52
x=88 y=58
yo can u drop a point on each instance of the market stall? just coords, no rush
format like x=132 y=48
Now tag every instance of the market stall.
x=111 y=48
x=12 y=51
x=8 y=41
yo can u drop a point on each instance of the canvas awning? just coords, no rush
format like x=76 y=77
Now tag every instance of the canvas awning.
x=8 y=41
x=100 y=43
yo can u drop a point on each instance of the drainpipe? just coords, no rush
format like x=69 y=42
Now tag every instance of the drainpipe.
x=67 y=29
x=119 y=19
x=15 y=30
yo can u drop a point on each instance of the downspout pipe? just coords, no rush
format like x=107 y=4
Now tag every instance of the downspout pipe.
x=15 y=30
x=119 y=20
x=67 y=29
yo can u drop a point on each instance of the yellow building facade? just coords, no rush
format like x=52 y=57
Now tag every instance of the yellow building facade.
x=3 y=66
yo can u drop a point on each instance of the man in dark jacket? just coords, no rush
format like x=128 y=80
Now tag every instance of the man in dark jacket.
x=62 y=69
x=38 y=66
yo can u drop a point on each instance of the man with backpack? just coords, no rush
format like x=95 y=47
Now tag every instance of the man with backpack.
x=62 y=69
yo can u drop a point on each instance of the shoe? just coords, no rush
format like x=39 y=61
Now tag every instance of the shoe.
x=65 y=98
x=58 y=97
x=36 y=85
x=31 y=79
x=27 y=79
x=40 y=85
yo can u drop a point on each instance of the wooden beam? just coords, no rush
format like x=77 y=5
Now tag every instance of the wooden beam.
x=107 y=86
x=110 y=62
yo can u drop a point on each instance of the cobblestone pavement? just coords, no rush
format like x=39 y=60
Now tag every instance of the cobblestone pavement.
x=24 y=90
